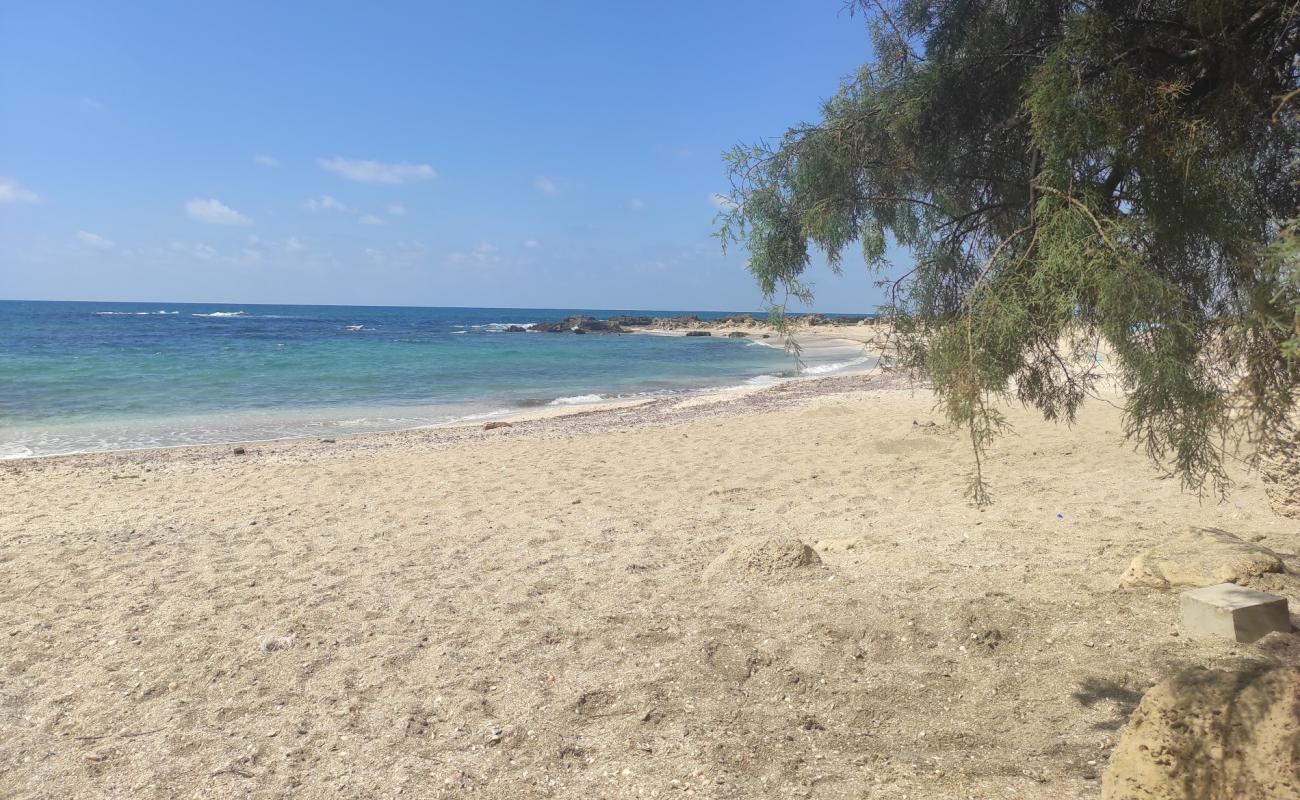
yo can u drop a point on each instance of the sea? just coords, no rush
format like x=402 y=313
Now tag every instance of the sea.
x=84 y=376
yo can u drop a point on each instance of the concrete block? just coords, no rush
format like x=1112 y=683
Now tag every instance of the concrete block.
x=1237 y=612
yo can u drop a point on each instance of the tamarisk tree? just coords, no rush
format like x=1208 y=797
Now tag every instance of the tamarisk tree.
x=1061 y=174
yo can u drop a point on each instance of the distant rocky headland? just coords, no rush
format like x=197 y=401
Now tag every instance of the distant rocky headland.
x=690 y=323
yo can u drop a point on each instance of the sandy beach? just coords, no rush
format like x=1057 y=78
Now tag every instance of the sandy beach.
x=598 y=605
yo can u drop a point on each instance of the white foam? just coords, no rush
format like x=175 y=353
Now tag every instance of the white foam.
x=577 y=400
x=220 y=314
x=8 y=451
x=498 y=327
x=133 y=313
x=823 y=369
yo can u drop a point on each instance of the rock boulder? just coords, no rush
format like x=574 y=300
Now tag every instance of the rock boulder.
x=1212 y=735
x=1279 y=468
x=1201 y=557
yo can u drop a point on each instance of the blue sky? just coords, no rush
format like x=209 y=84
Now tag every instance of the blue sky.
x=473 y=154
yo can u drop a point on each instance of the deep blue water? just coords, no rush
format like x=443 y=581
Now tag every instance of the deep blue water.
x=98 y=376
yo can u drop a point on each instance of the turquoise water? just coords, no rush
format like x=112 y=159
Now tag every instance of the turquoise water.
x=104 y=376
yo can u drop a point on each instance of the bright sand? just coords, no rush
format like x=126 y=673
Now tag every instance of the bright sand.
x=535 y=612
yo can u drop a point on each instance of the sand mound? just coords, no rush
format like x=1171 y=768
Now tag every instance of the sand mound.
x=767 y=556
x=1280 y=469
x=1201 y=557
x=1212 y=735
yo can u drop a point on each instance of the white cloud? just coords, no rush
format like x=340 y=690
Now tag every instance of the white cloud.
x=91 y=104
x=397 y=209
x=637 y=204
x=266 y=161
x=484 y=253
x=199 y=251
x=11 y=191
x=721 y=202
x=95 y=240
x=546 y=186
x=323 y=203
x=370 y=219
x=378 y=171
x=294 y=245
x=532 y=244
x=214 y=212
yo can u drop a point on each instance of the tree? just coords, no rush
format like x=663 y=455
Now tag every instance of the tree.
x=1061 y=173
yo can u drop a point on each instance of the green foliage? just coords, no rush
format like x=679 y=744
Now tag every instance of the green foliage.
x=1062 y=174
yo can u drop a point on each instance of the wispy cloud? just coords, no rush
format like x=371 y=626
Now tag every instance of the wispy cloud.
x=397 y=209
x=202 y=252
x=546 y=186
x=266 y=161
x=90 y=104
x=637 y=204
x=364 y=171
x=323 y=203
x=95 y=240
x=214 y=212
x=532 y=244
x=484 y=254
x=11 y=191
x=294 y=245
x=370 y=219
x=721 y=202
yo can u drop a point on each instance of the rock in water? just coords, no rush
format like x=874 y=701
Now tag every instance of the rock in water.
x=767 y=556
x=1212 y=735
x=1201 y=557
x=1280 y=469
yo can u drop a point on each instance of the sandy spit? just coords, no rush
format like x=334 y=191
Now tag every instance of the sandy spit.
x=558 y=608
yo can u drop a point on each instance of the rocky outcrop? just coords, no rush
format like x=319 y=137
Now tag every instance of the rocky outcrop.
x=1212 y=735
x=685 y=322
x=738 y=335
x=699 y=333
x=677 y=323
x=516 y=329
x=1279 y=468
x=1201 y=557
x=579 y=325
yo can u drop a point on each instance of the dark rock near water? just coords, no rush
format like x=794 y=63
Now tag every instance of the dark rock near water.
x=698 y=333
x=630 y=321
x=516 y=329
x=738 y=335
x=491 y=426
x=579 y=325
x=239 y=451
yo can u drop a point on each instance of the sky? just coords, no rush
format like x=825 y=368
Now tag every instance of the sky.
x=503 y=154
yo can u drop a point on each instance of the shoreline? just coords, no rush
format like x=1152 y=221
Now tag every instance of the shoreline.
x=824 y=346
x=624 y=413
